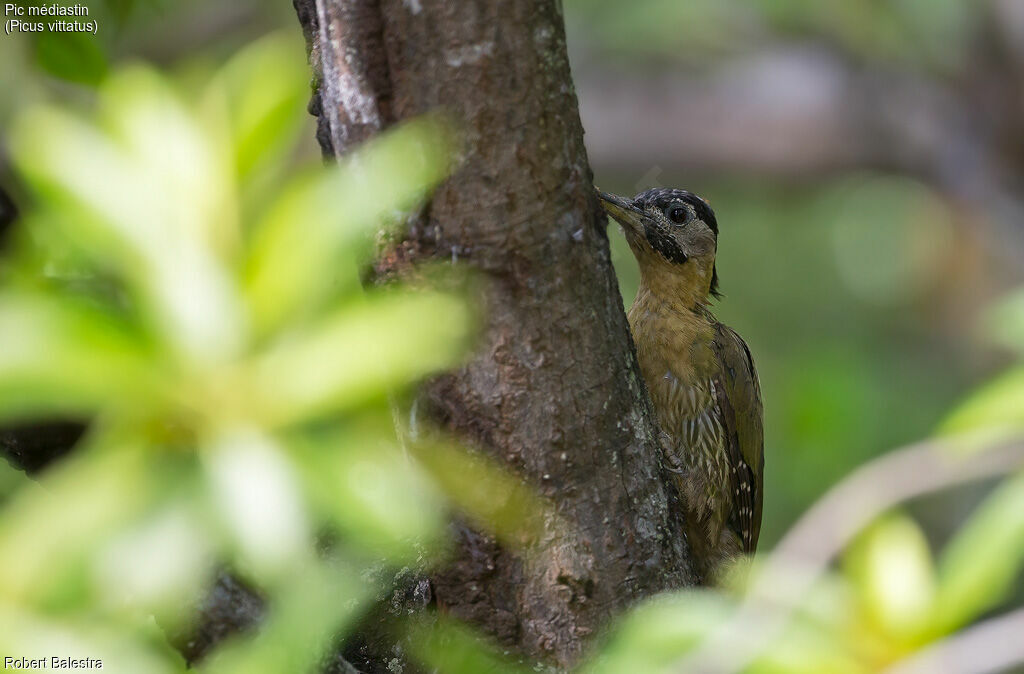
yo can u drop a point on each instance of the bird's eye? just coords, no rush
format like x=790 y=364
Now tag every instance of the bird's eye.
x=677 y=214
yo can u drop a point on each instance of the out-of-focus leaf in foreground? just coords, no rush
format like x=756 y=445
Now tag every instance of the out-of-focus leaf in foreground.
x=660 y=632
x=451 y=648
x=121 y=648
x=1004 y=322
x=372 y=492
x=891 y=567
x=285 y=273
x=980 y=565
x=996 y=410
x=59 y=356
x=307 y=610
x=176 y=285
x=75 y=57
x=256 y=102
x=482 y=491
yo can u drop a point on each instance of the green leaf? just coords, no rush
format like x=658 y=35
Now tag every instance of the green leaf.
x=891 y=567
x=59 y=357
x=256 y=491
x=76 y=57
x=446 y=646
x=312 y=605
x=484 y=491
x=357 y=354
x=292 y=265
x=121 y=648
x=1004 y=321
x=148 y=198
x=263 y=90
x=657 y=637
x=996 y=410
x=49 y=537
x=372 y=494
x=980 y=565
x=660 y=632
x=160 y=565
x=806 y=648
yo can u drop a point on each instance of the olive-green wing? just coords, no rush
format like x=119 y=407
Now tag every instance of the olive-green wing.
x=739 y=403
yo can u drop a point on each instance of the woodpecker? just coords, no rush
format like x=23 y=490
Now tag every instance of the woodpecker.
x=699 y=373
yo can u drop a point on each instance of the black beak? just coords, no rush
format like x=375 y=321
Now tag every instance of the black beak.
x=623 y=210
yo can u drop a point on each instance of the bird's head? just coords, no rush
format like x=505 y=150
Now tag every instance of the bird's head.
x=674 y=235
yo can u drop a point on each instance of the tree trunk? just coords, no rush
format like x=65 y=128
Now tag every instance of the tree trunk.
x=554 y=391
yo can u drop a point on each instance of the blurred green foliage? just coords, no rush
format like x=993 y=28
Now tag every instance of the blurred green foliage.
x=202 y=305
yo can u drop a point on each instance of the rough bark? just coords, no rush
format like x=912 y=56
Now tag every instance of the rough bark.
x=554 y=390
x=345 y=40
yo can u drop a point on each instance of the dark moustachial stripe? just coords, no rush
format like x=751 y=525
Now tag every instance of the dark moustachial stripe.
x=664 y=244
